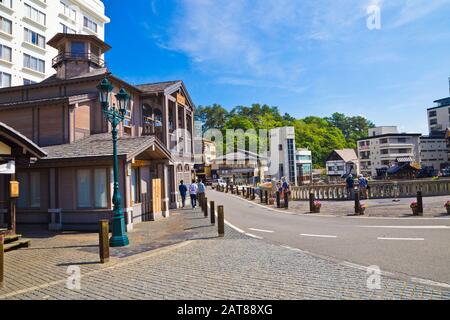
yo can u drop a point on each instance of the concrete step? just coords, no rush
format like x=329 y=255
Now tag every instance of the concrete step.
x=12 y=238
x=23 y=243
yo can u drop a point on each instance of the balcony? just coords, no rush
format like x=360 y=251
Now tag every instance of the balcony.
x=85 y=57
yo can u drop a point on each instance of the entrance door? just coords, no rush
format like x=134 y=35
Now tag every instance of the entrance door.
x=156 y=195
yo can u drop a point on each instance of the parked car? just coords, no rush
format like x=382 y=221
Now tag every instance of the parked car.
x=219 y=183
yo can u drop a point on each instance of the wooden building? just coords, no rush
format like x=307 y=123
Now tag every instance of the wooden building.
x=62 y=115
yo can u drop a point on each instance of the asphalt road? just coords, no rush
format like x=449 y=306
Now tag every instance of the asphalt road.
x=415 y=247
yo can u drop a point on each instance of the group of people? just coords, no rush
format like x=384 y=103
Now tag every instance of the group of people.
x=363 y=184
x=196 y=191
x=283 y=187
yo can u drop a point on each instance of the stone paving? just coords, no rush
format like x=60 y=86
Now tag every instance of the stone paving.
x=182 y=258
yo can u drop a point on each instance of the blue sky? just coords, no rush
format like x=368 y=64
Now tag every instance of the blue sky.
x=308 y=57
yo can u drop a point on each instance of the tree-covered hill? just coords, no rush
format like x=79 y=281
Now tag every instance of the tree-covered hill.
x=320 y=135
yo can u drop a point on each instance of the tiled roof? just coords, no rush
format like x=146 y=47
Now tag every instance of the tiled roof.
x=156 y=87
x=93 y=73
x=100 y=145
x=347 y=155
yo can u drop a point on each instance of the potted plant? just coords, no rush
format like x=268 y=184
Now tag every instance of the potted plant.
x=362 y=208
x=317 y=206
x=447 y=206
x=415 y=208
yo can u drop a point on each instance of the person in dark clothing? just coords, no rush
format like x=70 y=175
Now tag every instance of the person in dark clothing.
x=350 y=184
x=183 y=192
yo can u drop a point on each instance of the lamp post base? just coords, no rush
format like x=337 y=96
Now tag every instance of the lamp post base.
x=119 y=241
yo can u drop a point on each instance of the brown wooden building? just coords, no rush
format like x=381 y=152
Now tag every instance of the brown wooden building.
x=71 y=187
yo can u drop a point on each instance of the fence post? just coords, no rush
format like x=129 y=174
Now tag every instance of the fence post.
x=357 y=202
x=419 y=203
x=212 y=212
x=311 y=202
x=221 y=222
x=206 y=207
x=104 y=240
x=278 y=200
x=286 y=200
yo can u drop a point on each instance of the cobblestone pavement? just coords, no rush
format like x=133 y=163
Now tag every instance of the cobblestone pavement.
x=182 y=258
x=433 y=207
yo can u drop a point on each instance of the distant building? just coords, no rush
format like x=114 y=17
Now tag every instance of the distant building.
x=385 y=147
x=439 y=116
x=203 y=169
x=304 y=166
x=341 y=163
x=283 y=153
x=434 y=151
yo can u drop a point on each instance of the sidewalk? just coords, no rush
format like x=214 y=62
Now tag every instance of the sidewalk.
x=182 y=258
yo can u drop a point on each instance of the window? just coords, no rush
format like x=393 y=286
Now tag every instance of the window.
x=84 y=188
x=433 y=122
x=100 y=186
x=6 y=25
x=27 y=82
x=34 y=38
x=433 y=114
x=33 y=63
x=5 y=53
x=29 y=190
x=280 y=147
x=384 y=141
x=65 y=29
x=68 y=12
x=35 y=15
x=135 y=185
x=77 y=49
x=91 y=25
x=5 y=80
x=6 y=3
x=402 y=140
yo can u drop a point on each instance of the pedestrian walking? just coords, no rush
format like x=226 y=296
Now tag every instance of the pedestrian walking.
x=201 y=191
x=193 y=189
x=183 y=192
x=350 y=184
x=364 y=186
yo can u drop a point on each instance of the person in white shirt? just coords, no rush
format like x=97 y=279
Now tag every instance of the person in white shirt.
x=193 y=189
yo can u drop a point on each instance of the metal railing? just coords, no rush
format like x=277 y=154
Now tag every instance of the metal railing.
x=78 y=57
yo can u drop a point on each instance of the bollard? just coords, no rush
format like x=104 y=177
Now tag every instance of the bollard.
x=206 y=207
x=267 y=197
x=278 y=200
x=261 y=195
x=286 y=200
x=227 y=189
x=221 y=222
x=212 y=212
x=248 y=193
x=104 y=240
x=253 y=194
x=237 y=190
x=357 y=202
x=311 y=202
x=419 y=203
x=2 y=259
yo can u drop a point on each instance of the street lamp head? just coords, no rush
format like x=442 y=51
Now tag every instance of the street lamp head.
x=122 y=99
x=104 y=88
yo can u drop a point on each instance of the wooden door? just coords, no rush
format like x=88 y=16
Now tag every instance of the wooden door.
x=156 y=195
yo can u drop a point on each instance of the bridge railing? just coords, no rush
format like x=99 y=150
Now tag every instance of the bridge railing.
x=378 y=190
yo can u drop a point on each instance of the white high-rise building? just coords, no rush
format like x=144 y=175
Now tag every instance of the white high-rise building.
x=283 y=154
x=27 y=25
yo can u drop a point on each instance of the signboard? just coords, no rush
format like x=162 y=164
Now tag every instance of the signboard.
x=8 y=168
x=156 y=195
x=14 y=189
x=181 y=99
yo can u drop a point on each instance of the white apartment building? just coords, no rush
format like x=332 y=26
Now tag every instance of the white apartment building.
x=283 y=154
x=434 y=152
x=439 y=116
x=341 y=163
x=27 y=25
x=385 y=146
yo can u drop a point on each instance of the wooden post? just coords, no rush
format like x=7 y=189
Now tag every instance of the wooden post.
x=104 y=240
x=286 y=200
x=419 y=203
x=227 y=189
x=261 y=195
x=311 y=202
x=278 y=200
x=206 y=206
x=267 y=197
x=249 y=192
x=357 y=202
x=212 y=212
x=2 y=259
x=12 y=208
x=221 y=222
x=253 y=194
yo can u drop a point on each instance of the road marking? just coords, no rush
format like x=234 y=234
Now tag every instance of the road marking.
x=408 y=227
x=402 y=239
x=261 y=230
x=431 y=283
x=317 y=235
x=253 y=236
